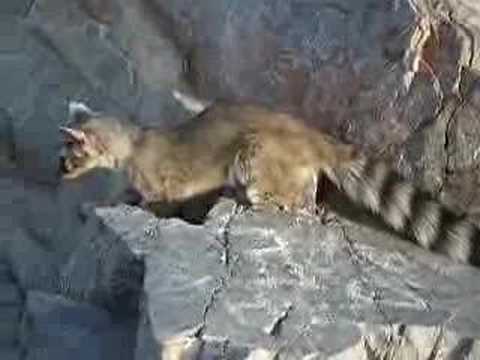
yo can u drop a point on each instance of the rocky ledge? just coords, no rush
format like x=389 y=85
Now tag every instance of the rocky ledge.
x=257 y=285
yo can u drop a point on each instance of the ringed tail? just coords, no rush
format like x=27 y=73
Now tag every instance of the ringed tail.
x=408 y=210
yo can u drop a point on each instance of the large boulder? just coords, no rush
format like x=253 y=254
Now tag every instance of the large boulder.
x=256 y=284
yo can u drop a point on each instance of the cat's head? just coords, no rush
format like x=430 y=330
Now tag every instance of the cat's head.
x=91 y=141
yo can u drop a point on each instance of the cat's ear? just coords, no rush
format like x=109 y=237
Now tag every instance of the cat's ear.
x=190 y=103
x=81 y=139
x=79 y=112
x=73 y=135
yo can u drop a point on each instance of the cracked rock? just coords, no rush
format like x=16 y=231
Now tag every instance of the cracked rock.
x=297 y=289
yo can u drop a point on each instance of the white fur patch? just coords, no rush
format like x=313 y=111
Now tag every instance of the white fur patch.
x=77 y=109
x=351 y=180
x=189 y=102
x=357 y=167
x=459 y=241
x=77 y=106
x=372 y=184
x=427 y=223
x=398 y=208
x=261 y=354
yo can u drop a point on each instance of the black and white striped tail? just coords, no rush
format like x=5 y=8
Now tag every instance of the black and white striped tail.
x=374 y=185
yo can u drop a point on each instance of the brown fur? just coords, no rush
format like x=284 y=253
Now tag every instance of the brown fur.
x=269 y=159
x=232 y=145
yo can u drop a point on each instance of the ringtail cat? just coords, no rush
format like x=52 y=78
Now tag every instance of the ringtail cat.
x=263 y=157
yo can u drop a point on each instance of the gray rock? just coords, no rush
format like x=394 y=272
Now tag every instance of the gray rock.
x=462 y=156
x=9 y=294
x=32 y=265
x=331 y=62
x=103 y=270
x=39 y=250
x=11 y=313
x=9 y=327
x=18 y=8
x=10 y=354
x=11 y=310
x=273 y=283
x=7 y=145
x=62 y=329
x=5 y=274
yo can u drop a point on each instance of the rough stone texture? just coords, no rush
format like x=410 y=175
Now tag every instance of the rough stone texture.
x=336 y=63
x=11 y=312
x=62 y=329
x=398 y=77
x=9 y=294
x=41 y=255
x=17 y=8
x=298 y=288
x=9 y=328
x=10 y=354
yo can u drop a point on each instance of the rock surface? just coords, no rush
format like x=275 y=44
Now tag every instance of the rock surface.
x=62 y=329
x=296 y=288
